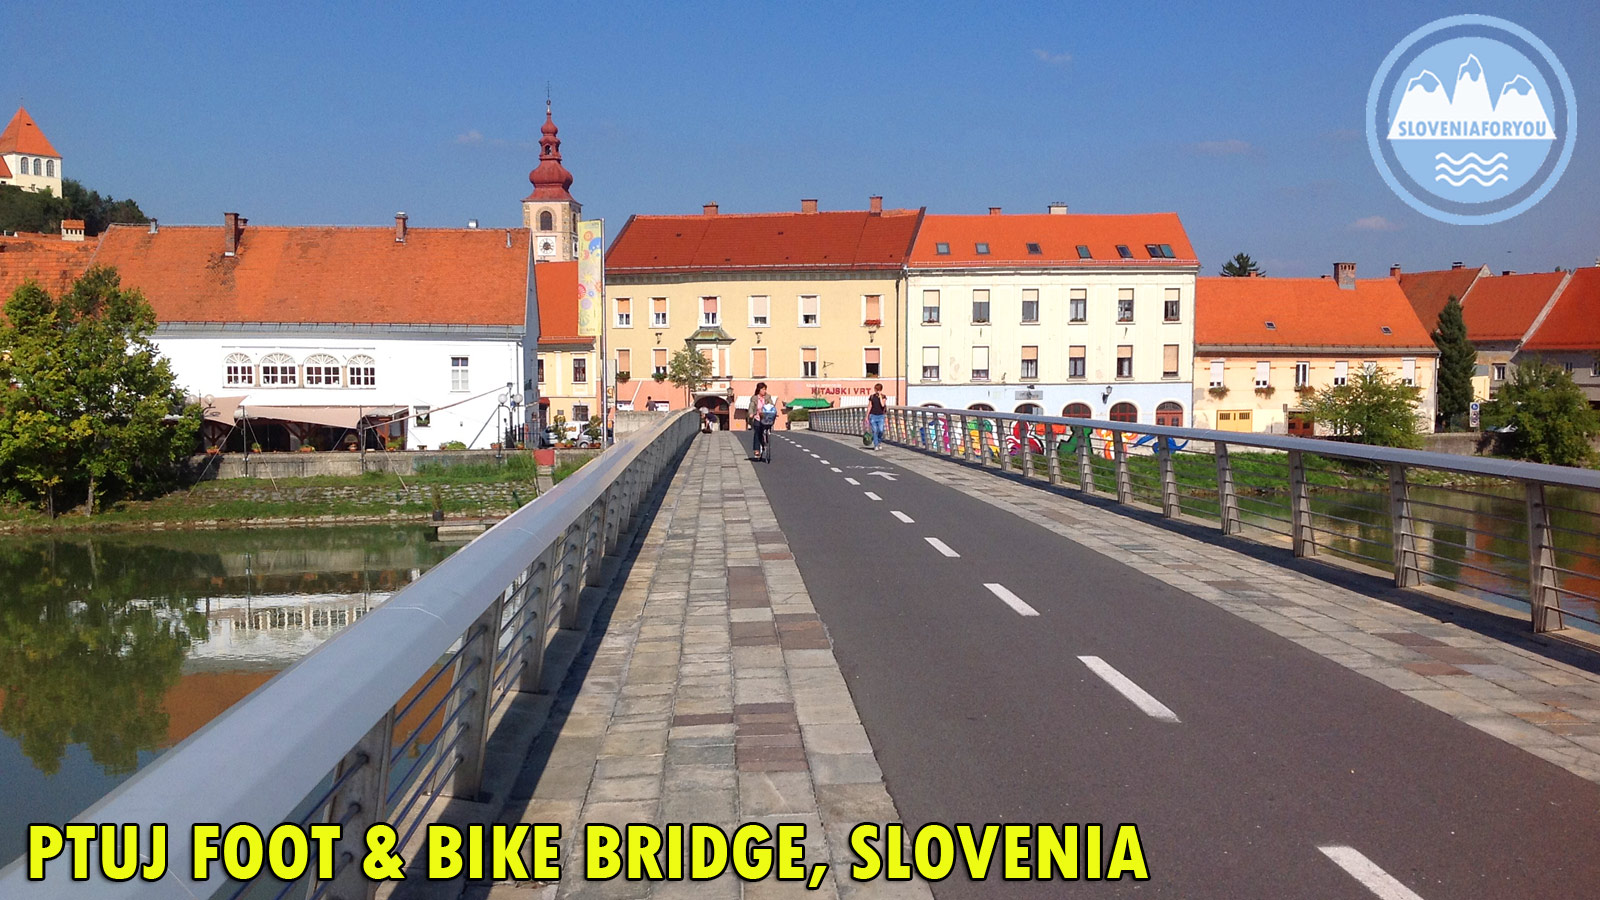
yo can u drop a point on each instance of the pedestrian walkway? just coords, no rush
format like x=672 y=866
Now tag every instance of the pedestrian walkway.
x=712 y=695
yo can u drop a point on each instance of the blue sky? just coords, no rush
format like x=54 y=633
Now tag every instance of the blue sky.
x=1244 y=118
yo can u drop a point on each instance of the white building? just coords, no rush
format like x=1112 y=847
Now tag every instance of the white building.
x=27 y=158
x=1056 y=314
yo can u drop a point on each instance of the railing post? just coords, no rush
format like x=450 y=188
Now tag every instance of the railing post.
x=1027 y=450
x=471 y=682
x=1402 y=529
x=1052 y=450
x=1085 y=464
x=1169 y=478
x=1305 y=542
x=571 y=582
x=1543 y=600
x=1124 y=479
x=595 y=543
x=1000 y=447
x=536 y=619
x=360 y=804
x=1227 y=500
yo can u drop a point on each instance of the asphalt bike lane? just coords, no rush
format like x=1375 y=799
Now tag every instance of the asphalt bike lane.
x=980 y=712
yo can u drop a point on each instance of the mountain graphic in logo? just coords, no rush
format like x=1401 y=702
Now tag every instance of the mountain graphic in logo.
x=1427 y=113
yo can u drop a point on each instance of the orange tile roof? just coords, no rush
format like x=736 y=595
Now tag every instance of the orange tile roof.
x=558 y=303
x=1306 y=312
x=1430 y=292
x=44 y=258
x=822 y=240
x=1504 y=307
x=5 y=170
x=1057 y=236
x=1574 y=322
x=23 y=136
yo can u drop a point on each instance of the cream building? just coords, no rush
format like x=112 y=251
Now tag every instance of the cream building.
x=1055 y=314
x=27 y=158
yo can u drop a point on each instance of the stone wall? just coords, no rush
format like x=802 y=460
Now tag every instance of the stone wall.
x=307 y=465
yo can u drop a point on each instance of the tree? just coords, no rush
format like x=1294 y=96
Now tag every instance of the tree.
x=93 y=406
x=1241 y=266
x=1370 y=408
x=1543 y=416
x=1458 y=360
x=42 y=211
x=690 y=370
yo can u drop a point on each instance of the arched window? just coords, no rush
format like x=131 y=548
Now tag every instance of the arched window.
x=1169 y=413
x=38 y=166
x=1076 y=411
x=981 y=407
x=238 y=369
x=322 y=370
x=22 y=166
x=1124 y=412
x=933 y=405
x=547 y=222
x=278 y=370
x=1030 y=409
x=361 y=371
x=50 y=168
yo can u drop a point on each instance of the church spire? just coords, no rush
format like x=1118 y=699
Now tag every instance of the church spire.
x=550 y=180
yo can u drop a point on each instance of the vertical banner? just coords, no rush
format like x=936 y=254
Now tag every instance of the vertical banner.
x=591 y=274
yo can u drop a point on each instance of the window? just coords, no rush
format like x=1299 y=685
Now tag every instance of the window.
x=758 y=362
x=872 y=310
x=1408 y=370
x=1030 y=305
x=1030 y=363
x=1499 y=373
x=1124 y=304
x=322 y=370
x=1077 y=366
x=1272 y=326
x=930 y=363
x=980 y=307
x=930 y=307
x=1034 y=250
x=1169 y=361
x=580 y=370
x=808 y=362
x=1154 y=250
x=37 y=168
x=458 y=373
x=238 y=369
x=810 y=310
x=1216 y=372
x=49 y=168
x=624 y=361
x=1166 y=251
x=942 y=248
x=1302 y=374
x=980 y=363
x=1387 y=330
x=1594 y=370
x=1124 y=360
x=760 y=306
x=1124 y=252
x=422 y=416
x=360 y=371
x=1078 y=305
x=547 y=222
x=23 y=166
x=580 y=414
x=1171 y=305
x=1124 y=412
x=1169 y=414
x=278 y=370
x=1369 y=368
x=1341 y=372
x=870 y=359
x=710 y=311
x=1076 y=411
x=1083 y=253
x=624 y=312
x=1263 y=374
x=541 y=370
x=658 y=312
x=1029 y=409
x=658 y=361
x=981 y=248
x=1568 y=366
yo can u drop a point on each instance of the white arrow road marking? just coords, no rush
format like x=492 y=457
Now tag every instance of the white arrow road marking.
x=1011 y=600
x=1364 y=870
x=902 y=516
x=942 y=547
x=1141 y=698
x=853 y=481
x=872 y=496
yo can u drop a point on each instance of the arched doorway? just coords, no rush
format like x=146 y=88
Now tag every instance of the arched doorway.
x=1124 y=412
x=1030 y=409
x=1076 y=411
x=981 y=407
x=1169 y=414
x=718 y=407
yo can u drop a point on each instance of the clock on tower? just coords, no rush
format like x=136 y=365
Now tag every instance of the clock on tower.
x=550 y=211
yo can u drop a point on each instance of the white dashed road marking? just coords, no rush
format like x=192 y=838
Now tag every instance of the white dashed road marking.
x=1364 y=870
x=1011 y=600
x=836 y=468
x=853 y=481
x=872 y=496
x=902 y=516
x=826 y=463
x=1141 y=698
x=942 y=547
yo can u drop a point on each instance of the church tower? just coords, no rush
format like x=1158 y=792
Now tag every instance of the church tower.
x=550 y=212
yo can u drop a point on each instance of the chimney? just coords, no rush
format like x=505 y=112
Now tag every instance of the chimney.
x=994 y=210
x=1345 y=274
x=1058 y=209
x=875 y=204
x=400 y=227
x=710 y=209
x=472 y=223
x=1457 y=265
x=155 y=227
x=1394 y=271
x=808 y=206
x=233 y=224
x=1509 y=272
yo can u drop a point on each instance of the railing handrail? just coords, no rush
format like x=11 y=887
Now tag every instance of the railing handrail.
x=1560 y=476
x=263 y=756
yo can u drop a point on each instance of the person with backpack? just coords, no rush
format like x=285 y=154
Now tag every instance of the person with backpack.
x=877 y=415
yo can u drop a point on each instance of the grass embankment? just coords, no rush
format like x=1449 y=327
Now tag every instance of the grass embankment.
x=480 y=489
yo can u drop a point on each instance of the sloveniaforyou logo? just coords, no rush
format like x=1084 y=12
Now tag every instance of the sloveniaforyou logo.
x=1471 y=120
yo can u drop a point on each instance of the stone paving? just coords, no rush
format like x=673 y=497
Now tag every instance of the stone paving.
x=1500 y=684
x=712 y=695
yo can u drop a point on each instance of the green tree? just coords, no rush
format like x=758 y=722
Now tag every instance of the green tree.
x=93 y=405
x=1544 y=416
x=1241 y=266
x=1458 y=359
x=42 y=211
x=1370 y=408
x=690 y=370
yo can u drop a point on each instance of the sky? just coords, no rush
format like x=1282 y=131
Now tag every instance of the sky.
x=1243 y=118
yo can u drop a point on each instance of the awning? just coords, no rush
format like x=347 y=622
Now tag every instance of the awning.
x=332 y=416
x=809 y=403
x=221 y=409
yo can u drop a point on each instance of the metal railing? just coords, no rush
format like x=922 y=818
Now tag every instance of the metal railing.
x=1520 y=533
x=394 y=712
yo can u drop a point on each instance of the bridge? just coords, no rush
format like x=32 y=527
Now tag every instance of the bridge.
x=1299 y=668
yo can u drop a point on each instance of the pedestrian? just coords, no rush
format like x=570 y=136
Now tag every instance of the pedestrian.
x=705 y=420
x=755 y=416
x=877 y=414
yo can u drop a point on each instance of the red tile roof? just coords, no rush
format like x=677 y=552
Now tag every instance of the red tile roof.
x=1504 y=307
x=1430 y=292
x=1574 y=322
x=822 y=240
x=23 y=136
x=5 y=170
x=558 y=303
x=1306 y=312
x=1057 y=236
x=44 y=258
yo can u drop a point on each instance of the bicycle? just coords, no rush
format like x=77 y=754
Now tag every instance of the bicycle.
x=766 y=445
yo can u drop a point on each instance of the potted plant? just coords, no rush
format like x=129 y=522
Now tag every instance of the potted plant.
x=307 y=448
x=624 y=377
x=1304 y=390
x=1267 y=391
x=255 y=448
x=1218 y=391
x=438 y=504
x=659 y=377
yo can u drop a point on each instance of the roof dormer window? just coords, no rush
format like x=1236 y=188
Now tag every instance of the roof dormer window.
x=1034 y=249
x=1166 y=250
x=1124 y=252
x=1083 y=252
x=1272 y=326
x=942 y=248
x=981 y=249
x=1388 y=330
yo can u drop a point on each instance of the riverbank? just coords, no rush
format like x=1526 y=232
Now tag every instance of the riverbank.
x=466 y=491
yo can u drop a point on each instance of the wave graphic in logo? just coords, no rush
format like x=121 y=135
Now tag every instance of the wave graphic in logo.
x=1471 y=168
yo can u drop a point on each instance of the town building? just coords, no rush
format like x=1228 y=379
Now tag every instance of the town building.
x=1264 y=346
x=1053 y=314
x=1568 y=334
x=808 y=302
x=27 y=158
